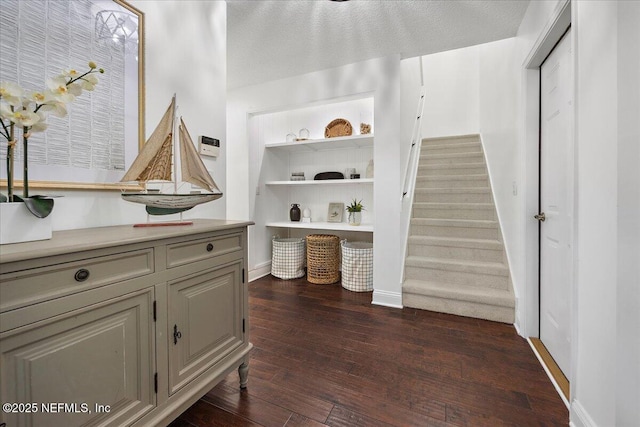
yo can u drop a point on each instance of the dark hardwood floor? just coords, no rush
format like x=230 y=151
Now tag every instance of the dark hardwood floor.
x=325 y=356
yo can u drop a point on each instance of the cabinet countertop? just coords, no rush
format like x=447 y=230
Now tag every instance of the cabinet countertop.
x=82 y=239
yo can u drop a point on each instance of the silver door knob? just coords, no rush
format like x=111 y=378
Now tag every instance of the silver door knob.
x=540 y=217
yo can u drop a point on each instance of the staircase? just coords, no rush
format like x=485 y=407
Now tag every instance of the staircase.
x=456 y=261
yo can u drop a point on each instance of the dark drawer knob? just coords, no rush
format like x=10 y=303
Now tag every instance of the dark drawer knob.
x=81 y=275
x=209 y=247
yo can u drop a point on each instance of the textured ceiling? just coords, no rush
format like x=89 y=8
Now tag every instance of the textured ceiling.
x=273 y=39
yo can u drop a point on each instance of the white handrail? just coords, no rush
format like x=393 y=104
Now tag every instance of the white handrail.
x=414 y=154
x=410 y=173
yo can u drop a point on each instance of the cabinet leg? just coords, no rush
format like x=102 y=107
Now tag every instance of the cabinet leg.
x=243 y=372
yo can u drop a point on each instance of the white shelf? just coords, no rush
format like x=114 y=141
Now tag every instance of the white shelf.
x=336 y=226
x=323 y=182
x=353 y=141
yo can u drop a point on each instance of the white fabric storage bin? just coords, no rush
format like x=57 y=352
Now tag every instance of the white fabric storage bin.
x=287 y=260
x=357 y=266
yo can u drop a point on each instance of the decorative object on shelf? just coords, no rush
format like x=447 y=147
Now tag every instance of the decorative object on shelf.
x=355 y=176
x=297 y=176
x=28 y=112
x=348 y=172
x=303 y=134
x=355 y=209
x=291 y=137
x=306 y=215
x=338 y=127
x=335 y=212
x=369 y=173
x=365 y=128
x=294 y=212
x=154 y=163
x=328 y=175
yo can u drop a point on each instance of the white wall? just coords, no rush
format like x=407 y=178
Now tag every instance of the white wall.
x=451 y=80
x=628 y=297
x=381 y=77
x=596 y=116
x=191 y=61
x=498 y=104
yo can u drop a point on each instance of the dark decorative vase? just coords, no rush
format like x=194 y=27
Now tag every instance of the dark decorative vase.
x=294 y=212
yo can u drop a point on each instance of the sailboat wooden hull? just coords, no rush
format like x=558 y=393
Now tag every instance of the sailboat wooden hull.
x=170 y=201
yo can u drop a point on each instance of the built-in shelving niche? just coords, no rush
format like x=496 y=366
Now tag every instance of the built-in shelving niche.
x=317 y=154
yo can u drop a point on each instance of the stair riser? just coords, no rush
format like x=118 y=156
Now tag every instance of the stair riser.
x=460 y=308
x=443 y=231
x=433 y=160
x=450 y=252
x=452 y=141
x=453 y=149
x=419 y=212
x=452 y=197
x=426 y=182
x=430 y=170
x=461 y=278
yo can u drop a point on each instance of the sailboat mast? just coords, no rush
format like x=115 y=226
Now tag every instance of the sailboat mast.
x=175 y=146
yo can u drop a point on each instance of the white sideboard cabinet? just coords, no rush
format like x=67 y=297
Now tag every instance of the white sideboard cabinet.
x=121 y=326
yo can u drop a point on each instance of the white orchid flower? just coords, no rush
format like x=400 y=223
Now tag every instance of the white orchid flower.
x=5 y=110
x=88 y=82
x=72 y=73
x=41 y=125
x=11 y=93
x=57 y=108
x=24 y=118
x=59 y=89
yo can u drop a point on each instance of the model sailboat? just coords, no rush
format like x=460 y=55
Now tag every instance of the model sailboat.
x=154 y=163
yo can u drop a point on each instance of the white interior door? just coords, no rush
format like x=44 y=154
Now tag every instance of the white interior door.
x=556 y=201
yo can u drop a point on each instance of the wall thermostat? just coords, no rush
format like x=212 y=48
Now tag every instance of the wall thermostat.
x=209 y=146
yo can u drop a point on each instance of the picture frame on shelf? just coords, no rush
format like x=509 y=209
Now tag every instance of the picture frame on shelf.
x=335 y=212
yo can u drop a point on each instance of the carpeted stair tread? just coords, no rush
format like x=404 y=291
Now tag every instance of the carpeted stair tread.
x=500 y=297
x=456 y=242
x=464 y=266
x=474 y=223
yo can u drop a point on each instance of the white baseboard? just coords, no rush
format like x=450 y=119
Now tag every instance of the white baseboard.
x=259 y=271
x=387 y=299
x=579 y=417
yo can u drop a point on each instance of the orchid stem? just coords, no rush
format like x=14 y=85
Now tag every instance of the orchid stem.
x=10 y=164
x=25 y=175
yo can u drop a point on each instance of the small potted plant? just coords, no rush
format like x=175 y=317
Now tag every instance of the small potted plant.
x=355 y=209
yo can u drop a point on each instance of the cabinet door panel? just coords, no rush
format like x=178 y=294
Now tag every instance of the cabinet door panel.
x=101 y=355
x=206 y=317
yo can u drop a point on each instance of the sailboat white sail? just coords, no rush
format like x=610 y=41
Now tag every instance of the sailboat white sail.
x=154 y=162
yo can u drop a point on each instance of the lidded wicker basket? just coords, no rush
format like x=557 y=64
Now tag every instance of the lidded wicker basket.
x=323 y=258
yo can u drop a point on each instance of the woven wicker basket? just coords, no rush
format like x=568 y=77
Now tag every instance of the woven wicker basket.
x=323 y=258
x=338 y=127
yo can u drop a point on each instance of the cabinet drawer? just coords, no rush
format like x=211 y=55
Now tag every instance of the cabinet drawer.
x=26 y=287
x=202 y=249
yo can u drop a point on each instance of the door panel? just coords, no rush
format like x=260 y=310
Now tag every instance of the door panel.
x=206 y=319
x=556 y=201
x=103 y=355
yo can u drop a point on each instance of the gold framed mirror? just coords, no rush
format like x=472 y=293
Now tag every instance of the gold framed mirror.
x=95 y=143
